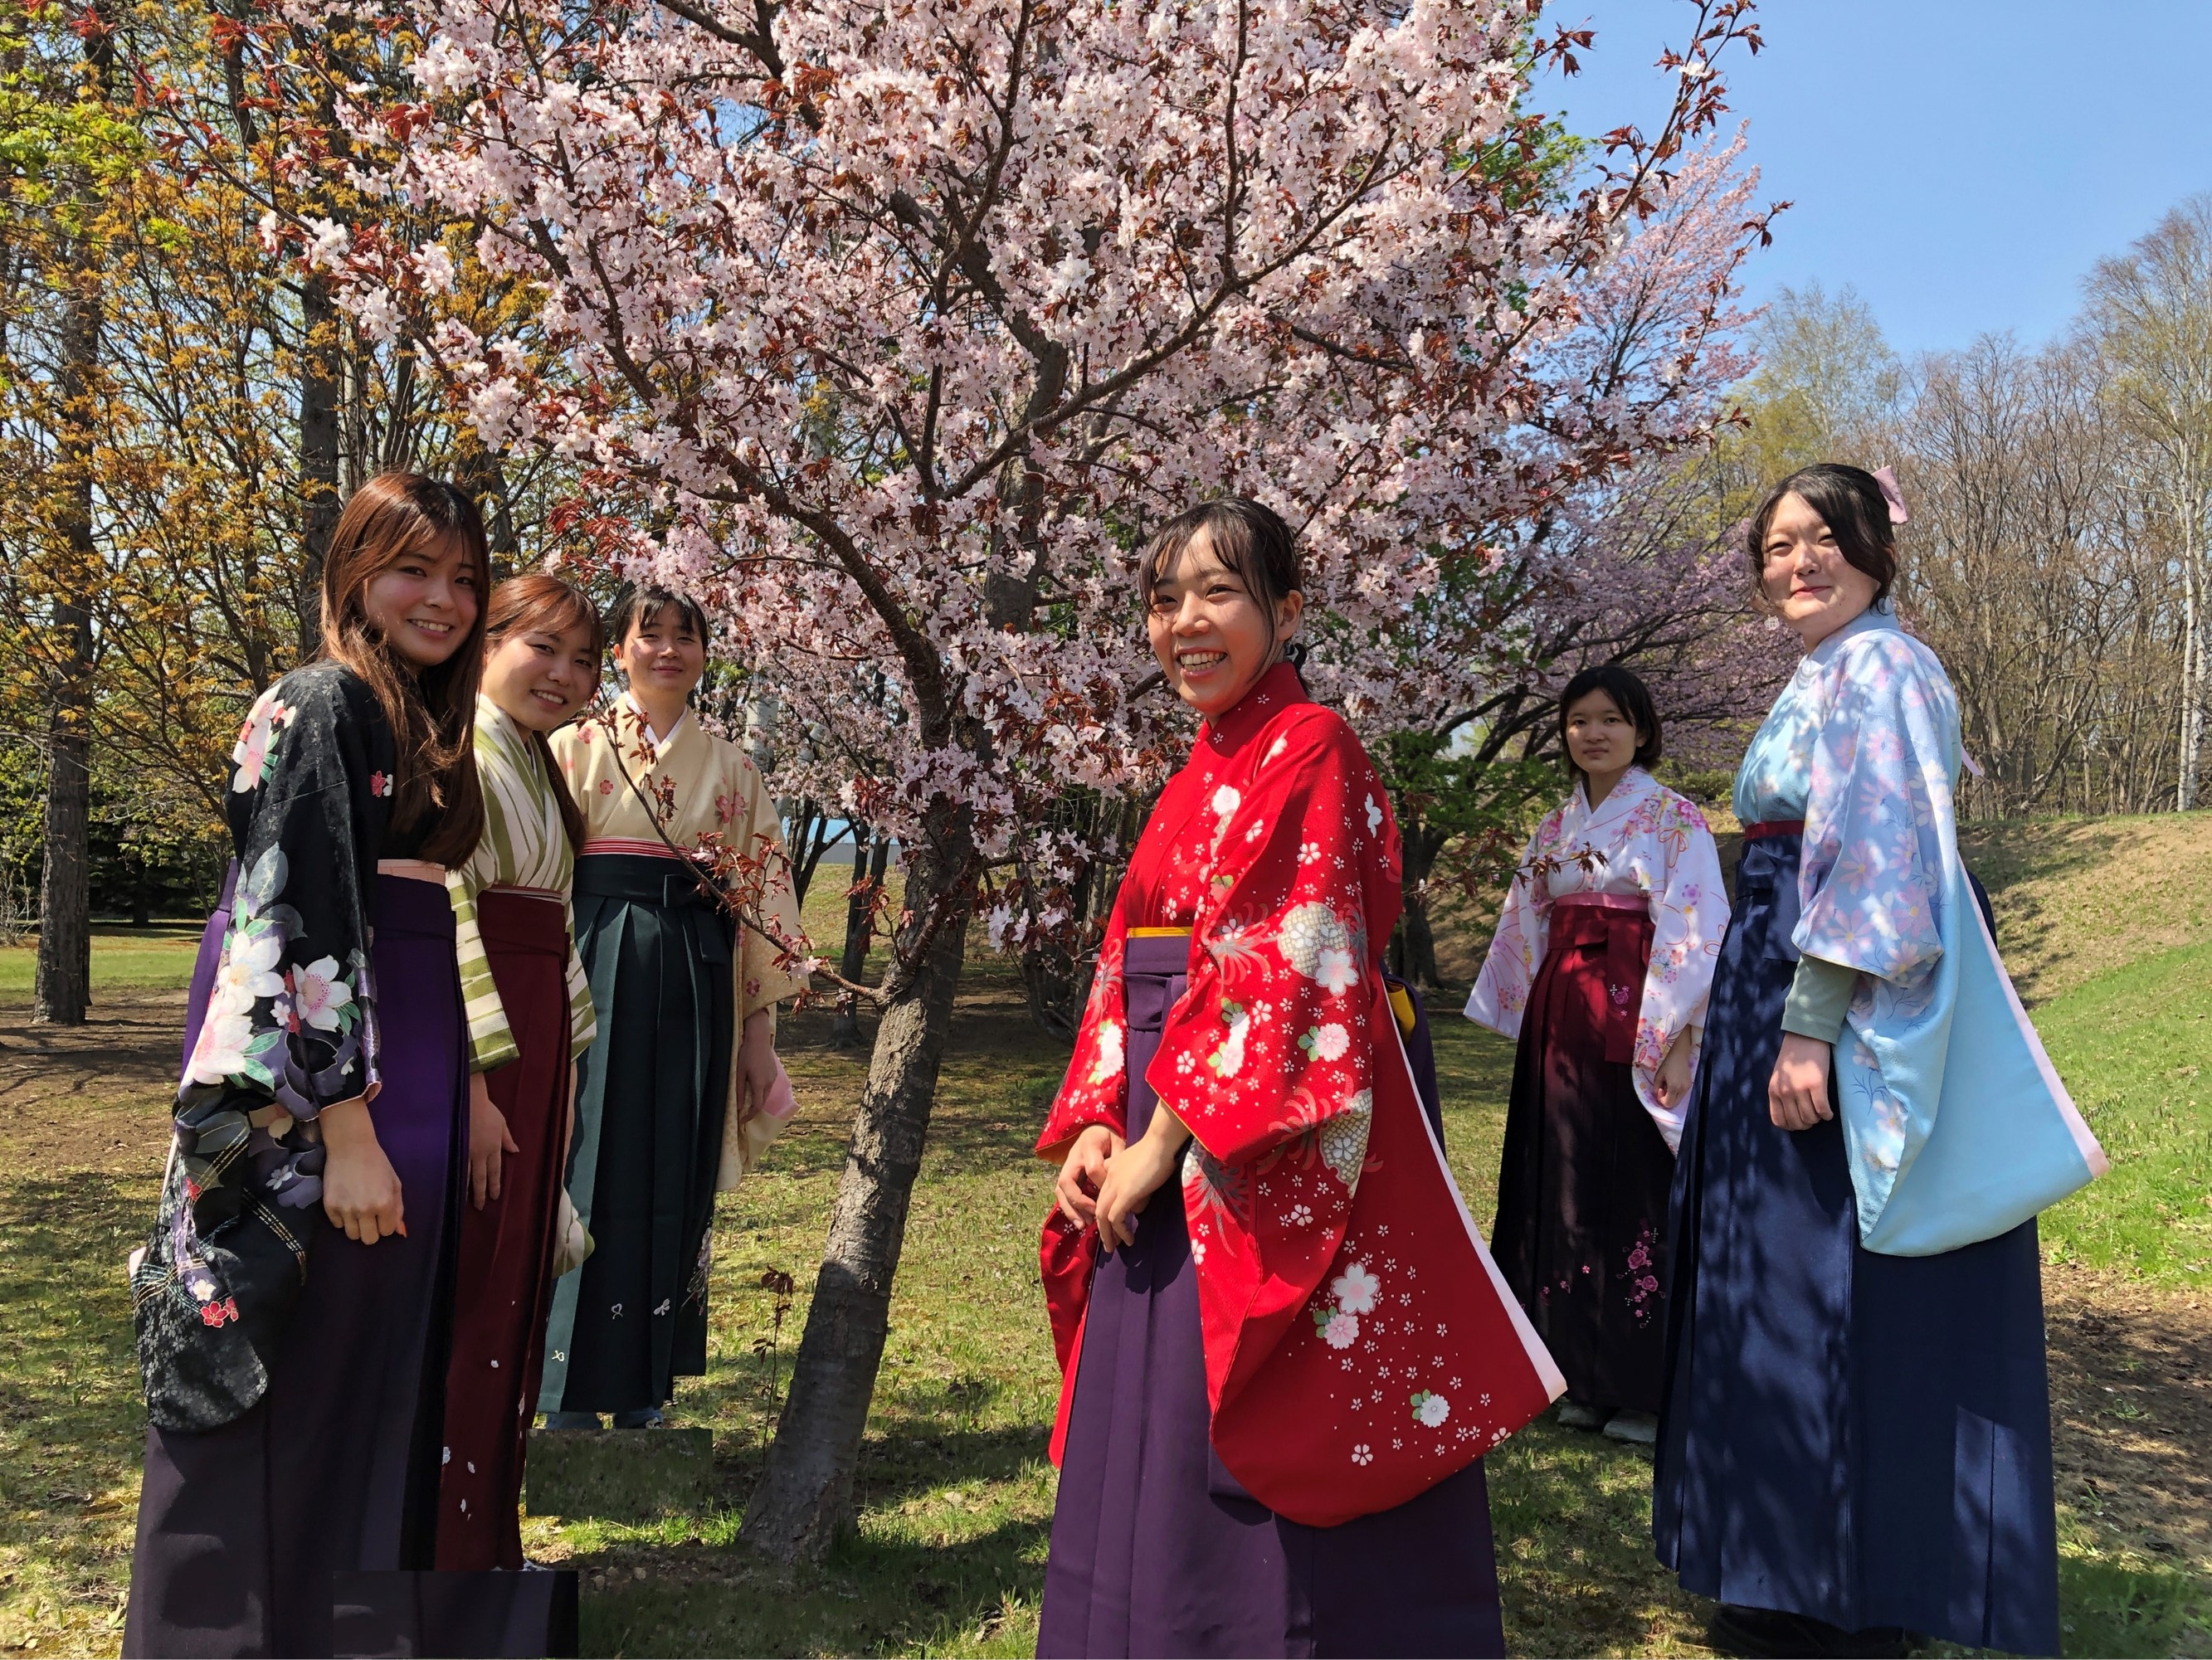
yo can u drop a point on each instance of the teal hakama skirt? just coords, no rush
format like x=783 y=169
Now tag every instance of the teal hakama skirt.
x=651 y=1094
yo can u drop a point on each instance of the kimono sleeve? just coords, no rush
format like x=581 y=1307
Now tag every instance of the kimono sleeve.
x=491 y=1040
x=763 y=981
x=291 y=1015
x=1878 y=812
x=1274 y=1037
x=1516 y=950
x=1096 y=1089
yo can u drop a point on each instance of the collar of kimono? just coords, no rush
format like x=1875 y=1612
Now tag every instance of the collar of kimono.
x=659 y=740
x=1873 y=617
x=1630 y=788
x=1272 y=693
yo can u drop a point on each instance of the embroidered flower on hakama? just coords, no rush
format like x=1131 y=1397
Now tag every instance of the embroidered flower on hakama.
x=1339 y=1330
x=1108 y=1065
x=1430 y=1409
x=1356 y=1289
x=1362 y=1453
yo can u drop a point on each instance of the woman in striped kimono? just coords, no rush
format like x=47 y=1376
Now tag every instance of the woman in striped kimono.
x=682 y=1083
x=530 y=1015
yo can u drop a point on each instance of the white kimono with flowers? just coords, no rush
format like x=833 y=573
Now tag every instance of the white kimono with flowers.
x=1644 y=842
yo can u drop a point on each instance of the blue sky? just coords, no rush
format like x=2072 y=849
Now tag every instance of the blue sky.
x=1962 y=163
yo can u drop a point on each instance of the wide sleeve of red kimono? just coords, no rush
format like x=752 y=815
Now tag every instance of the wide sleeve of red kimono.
x=1359 y=1344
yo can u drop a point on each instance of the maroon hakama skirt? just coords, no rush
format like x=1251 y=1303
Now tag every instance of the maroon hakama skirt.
x=1582 y=1188
x=505 y=1283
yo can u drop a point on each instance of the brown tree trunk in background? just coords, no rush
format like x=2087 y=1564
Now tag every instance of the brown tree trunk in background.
x=806 y=1494
x=63 y=989
x=321 y=387
x=1413 y=942
x=869 y=864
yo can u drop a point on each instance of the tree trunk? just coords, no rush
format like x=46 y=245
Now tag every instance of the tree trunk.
x=2192 y=674
x=1413 y=942
x=63 y=985
x=845 y=1030
x=806 y=1494
x=321 y=387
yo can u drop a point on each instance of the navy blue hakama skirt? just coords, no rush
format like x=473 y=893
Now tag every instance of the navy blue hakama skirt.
x=1156 y=1549
x=1858 y=1438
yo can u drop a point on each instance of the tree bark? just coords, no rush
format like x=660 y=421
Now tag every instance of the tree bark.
x=845 y=1028
x=321 y=387
x=805 y=1496
x=63 y=991
x=1413 y=942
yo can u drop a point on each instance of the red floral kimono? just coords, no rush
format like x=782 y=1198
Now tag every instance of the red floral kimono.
x=1359 y=1344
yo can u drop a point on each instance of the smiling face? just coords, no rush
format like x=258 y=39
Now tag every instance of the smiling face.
x=541 y=677
x=1600 y=739
x=662 y=655
x=425 y=601
x=1212 y=638
x=1806 y=577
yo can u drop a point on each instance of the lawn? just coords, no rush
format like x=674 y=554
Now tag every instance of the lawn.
x=955 y=1493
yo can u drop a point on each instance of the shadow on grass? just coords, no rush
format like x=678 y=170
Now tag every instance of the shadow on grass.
x=71 y=1414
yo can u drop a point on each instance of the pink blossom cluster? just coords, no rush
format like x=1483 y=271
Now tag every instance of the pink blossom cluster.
x=888 y=330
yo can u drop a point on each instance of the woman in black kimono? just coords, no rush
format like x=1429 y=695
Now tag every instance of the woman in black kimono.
x=291 y=1306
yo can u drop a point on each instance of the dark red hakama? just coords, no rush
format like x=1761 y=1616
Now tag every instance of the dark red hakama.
x=505 y=1272
x=1582 y=1188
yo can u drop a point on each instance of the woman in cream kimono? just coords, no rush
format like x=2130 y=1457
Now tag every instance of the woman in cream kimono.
x=681 y=1087
x=1602 y=960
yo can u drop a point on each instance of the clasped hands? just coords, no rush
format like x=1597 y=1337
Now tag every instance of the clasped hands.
x=1105 y=1182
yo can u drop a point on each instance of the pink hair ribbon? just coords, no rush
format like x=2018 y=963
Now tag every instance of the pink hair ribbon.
x=1887 y=478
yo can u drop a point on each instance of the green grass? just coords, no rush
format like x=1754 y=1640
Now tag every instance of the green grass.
x=158 y=957
x=2135 y=1048
x=954 y=1501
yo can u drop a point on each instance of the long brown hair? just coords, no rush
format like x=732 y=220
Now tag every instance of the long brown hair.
x=432 y=711
x=539 y=601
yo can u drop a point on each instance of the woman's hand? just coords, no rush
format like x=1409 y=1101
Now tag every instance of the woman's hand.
x=488 y=1140
x=1135 y=1174
x=360 y=1190
x=1797 y=1093
x=1671 y=1086
x=755 y=1060
x=1082 y=1170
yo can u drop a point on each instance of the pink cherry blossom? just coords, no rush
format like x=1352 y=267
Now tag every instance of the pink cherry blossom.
x=320 y=995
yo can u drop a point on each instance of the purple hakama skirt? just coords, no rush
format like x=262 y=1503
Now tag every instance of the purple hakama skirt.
x=243 y=1531
x=1156 y=1549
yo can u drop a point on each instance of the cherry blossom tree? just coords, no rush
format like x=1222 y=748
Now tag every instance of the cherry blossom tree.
x=887 y=330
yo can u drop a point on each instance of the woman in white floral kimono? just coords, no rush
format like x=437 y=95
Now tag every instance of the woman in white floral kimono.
x=1602 y=959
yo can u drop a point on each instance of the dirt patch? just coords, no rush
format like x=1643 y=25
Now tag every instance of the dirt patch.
x=94 y=1094
x=2131 y=1412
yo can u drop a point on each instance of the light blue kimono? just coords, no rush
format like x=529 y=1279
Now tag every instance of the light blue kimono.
x=1956 y=1126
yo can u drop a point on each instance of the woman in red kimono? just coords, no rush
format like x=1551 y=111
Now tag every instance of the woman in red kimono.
x=1281 y=1378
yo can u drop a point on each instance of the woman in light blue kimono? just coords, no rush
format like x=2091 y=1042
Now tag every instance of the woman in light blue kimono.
x=1854 y=1447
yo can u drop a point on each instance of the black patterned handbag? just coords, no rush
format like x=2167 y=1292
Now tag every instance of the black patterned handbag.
x=214 y=1290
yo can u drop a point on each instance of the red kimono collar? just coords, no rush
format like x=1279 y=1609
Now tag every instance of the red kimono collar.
x=1279 y=689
